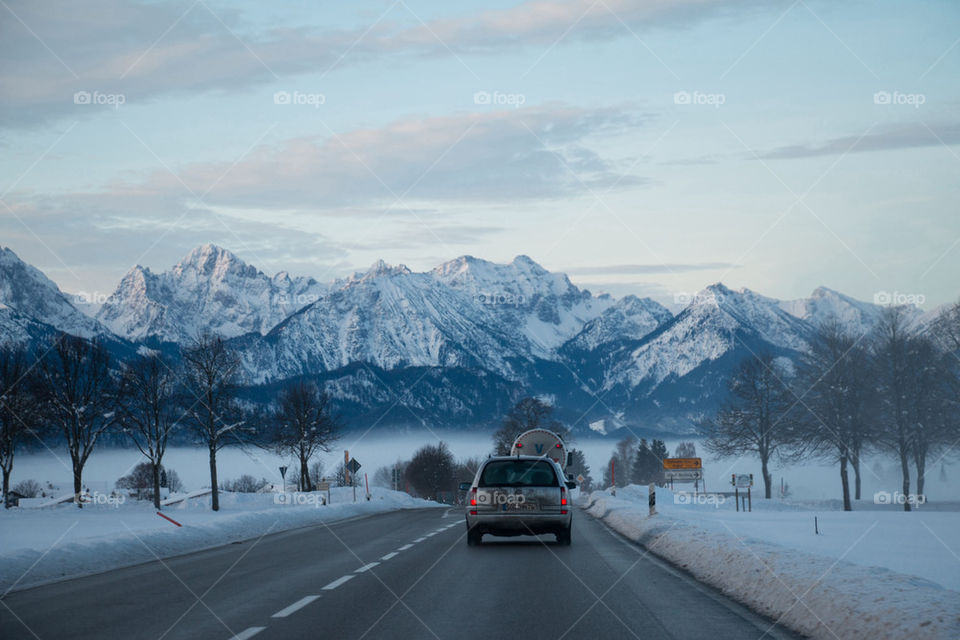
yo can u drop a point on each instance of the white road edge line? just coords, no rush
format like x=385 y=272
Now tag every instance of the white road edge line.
x=419 y=540
x=339 y=581
x=404 y=547
x=431 y=534
x=390 y=555
x=367 y=567
x=248 y=633
x=296 y=606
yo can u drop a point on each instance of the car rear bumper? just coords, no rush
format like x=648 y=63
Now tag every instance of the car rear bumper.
x=518 y=524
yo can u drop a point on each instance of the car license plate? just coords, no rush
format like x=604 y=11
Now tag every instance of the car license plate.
x=520 y=506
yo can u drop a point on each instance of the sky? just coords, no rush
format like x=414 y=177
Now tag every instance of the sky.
x=641 y=146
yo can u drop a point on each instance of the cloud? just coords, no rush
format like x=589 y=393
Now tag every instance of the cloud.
x=634 y=269
x=143 y=51
x=896 y=137
x=518 y=154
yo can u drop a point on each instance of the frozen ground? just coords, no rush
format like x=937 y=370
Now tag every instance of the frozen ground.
x=39 y=545
x=868 y=574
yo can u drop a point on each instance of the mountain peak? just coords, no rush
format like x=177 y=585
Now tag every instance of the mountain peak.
x=381 y=268
x=210 y=259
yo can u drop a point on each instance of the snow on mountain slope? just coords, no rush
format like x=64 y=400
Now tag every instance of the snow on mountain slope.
x=630 y=318
x=826 y=304
x=30 y=293
x=209 y=289
x=388 y=317
x=717 y=321
x=545 y=308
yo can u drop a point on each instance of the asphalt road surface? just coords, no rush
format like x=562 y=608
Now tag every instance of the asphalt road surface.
x=407 y=574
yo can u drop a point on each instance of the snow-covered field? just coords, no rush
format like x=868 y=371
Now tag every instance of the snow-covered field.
x=868 y=574
x=43 y=544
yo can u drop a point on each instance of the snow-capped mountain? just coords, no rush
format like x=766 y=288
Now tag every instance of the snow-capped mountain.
x=825 y=305
x=26 y=290
x=391 y=318
x=545 y=308
x=630 y=318
x=717 y=322
x=209 y=289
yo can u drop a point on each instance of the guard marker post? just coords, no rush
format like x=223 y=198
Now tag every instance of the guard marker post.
x=170 y=519
x=652 y=490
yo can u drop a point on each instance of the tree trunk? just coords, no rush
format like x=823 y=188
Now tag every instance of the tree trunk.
x=845 y=480
x=77 y=483
x=305 y=475
x=156 y=485
x=905 y=471
x=921 y=461
x=214 y=489
x=767 y=479
x=855 y=463
x=6 y=485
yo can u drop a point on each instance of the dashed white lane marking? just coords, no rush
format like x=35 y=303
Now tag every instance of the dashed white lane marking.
x=339 y=581
x=248 y=633
x=419 y=539
x=431 y=534
x=296 y=606
x=389 y=555
x=367 y=567
x=405 y=547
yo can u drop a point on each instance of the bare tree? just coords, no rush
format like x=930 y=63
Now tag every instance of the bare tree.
x=755 y=420
x=211 y=373
x=528 y=413
x=834 y=424
x=148 y=412
x=18 y=407
x=686 y=450
x=303 y=426
x=891 y=366
x=79 y=396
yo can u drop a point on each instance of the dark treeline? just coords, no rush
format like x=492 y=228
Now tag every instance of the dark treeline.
x=894 y=391
x=71 y=392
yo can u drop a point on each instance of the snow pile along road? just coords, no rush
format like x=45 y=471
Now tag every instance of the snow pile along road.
x=813 y=593
x=43 y=545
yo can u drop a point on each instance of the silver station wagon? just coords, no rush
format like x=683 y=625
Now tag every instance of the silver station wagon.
x=516 y=496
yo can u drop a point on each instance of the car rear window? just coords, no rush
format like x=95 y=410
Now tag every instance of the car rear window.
x=518 y=473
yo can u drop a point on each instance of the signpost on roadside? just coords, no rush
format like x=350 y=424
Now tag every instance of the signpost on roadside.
x=742 y=481
x=352 y=467
x=283 y=477
x=323 y=485
x=684 y=470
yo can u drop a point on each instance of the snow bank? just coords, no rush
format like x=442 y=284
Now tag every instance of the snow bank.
x=812 y=593
x=42 y=545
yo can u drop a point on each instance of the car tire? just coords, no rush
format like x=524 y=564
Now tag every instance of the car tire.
x=474 y=537
x=564 y=537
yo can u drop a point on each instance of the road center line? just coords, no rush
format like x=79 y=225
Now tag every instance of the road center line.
x=431 y=534
x=339 y=581
x=367 y=567
x=248 y=633
x=296 y=606
x=389 y=555
x=419 y=540
x=405 y=547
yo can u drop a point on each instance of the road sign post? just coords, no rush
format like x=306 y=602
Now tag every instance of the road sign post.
x=283 y=477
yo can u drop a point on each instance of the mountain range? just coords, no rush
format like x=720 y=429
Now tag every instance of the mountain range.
x=451 y=347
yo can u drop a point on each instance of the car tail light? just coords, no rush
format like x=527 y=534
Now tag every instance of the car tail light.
x=473 y=497
x=563 y=500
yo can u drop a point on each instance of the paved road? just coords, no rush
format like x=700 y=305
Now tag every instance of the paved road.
x=408 y=574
